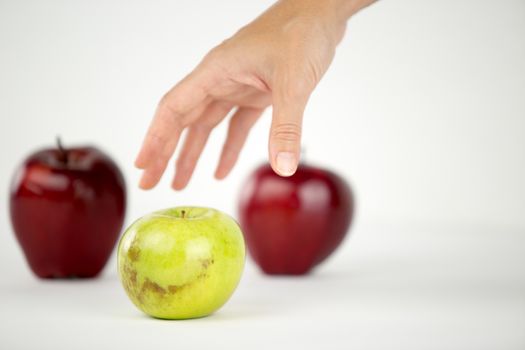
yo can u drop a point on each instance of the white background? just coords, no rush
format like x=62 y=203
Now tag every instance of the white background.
x=423 y=110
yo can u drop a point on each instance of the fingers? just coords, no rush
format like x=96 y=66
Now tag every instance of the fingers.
x=289 y=101
x=170 y=119
x=195 y=141
x=157 y=163
x=240 y=125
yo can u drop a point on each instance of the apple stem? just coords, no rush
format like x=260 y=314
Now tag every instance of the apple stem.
x=183 y=213
x=63 y=153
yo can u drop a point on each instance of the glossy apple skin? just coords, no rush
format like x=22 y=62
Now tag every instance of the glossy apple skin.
x=292 y=224
x=67 y=214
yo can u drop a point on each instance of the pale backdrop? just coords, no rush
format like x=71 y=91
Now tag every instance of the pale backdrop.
x=423 y=109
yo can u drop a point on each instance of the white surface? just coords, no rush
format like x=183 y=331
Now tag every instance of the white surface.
x=423 y=110
x=392 y=288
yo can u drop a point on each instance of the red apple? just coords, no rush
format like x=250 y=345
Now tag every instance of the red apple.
x=291 y=224
x=67 y=210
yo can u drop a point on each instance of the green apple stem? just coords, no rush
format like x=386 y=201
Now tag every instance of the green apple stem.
x=63 y=153
x=183 y=213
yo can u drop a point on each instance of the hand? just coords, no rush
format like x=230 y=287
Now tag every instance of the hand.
x=277 y=60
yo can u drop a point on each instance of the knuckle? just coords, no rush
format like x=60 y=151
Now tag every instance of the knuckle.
x=171 y=105
x=202 y=127
x=214 y=53
x=172 y=112
x=286 y=132
x=297 y=89
x=296 y=83
x=186 y=163
x=156 y=138
x=310 y=73
x=217 y=50
x=215 y=59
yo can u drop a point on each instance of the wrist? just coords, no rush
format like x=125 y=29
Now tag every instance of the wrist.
x=331 y=13
x=347 y=8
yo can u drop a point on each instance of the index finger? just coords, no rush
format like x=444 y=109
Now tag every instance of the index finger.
x=169 y=121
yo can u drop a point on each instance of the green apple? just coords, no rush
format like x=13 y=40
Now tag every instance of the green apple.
x=181 y=263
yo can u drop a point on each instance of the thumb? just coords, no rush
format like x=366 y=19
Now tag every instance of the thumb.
x=289 y=102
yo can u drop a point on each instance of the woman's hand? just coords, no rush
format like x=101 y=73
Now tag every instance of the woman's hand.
x=277 y=60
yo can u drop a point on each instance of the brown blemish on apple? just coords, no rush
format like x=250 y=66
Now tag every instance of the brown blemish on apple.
x=153 y=287
x=130 y=278
x=206 y=263
x=174 y=289
x=134 y=253
x=148 y=286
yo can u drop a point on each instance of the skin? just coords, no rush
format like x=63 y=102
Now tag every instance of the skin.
x=175 y=267
x=277 y=60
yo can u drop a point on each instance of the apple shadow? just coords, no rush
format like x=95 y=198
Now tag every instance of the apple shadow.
x=224 y=314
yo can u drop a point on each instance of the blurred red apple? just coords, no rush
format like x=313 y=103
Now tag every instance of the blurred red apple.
x=293 y=223
x=67 y=210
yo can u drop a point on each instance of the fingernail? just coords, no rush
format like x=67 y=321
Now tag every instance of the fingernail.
x=286 y=163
